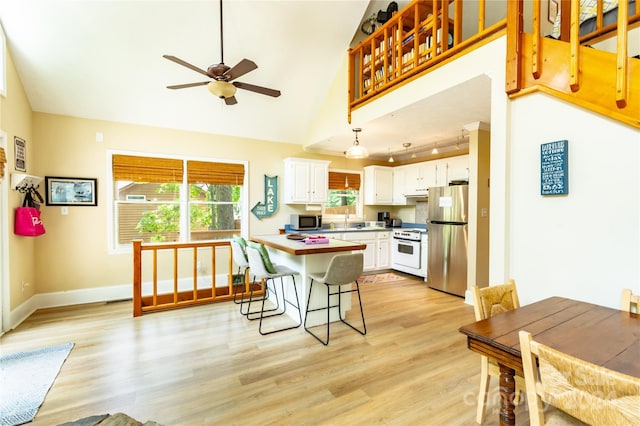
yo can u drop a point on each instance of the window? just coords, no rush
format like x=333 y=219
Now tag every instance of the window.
x=344 y=194
x=176 y=200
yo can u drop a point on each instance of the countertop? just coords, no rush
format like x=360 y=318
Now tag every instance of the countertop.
x=357 y=228
x=299 y=248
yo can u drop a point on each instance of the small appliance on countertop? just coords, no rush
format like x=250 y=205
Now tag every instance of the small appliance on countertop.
x=396 y=223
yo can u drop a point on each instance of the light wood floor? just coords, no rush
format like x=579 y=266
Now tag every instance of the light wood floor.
x=208 y=365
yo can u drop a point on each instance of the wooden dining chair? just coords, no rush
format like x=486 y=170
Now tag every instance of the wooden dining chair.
x=487 y=302
x=581 y=392
x=630 y=301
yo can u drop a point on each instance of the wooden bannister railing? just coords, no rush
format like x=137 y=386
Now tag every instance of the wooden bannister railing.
x=410 y=43
x=605 y=82
x=156 y=299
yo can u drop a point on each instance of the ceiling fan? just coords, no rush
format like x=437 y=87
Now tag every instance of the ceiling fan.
x=222 y=84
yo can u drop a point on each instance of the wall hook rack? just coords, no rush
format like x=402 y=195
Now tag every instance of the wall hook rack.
x=22 y=182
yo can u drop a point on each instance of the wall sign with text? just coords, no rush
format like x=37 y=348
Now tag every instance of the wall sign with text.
x=554 y=168
x=270 y=205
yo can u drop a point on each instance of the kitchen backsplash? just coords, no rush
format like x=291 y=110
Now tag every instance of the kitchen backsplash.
x=421 y=211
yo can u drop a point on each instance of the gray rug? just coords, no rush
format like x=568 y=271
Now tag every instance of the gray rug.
x=26 y=378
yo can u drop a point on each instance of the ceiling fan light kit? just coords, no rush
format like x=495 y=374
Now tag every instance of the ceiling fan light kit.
x=221 y=89
x=222 y=75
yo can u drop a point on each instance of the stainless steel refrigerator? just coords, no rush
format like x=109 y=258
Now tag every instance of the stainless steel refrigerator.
x=448 y=238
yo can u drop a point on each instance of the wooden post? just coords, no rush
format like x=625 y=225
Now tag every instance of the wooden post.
x=137 y=278
x=515 y=10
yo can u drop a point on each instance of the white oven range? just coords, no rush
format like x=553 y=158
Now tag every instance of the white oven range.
x=407 y=251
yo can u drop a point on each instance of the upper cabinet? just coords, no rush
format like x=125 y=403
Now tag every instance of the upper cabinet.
x=414 y=180
x=378 y=185
x=305 y=181
x=458 y=168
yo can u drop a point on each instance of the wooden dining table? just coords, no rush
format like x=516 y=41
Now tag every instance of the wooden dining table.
x=597 y=334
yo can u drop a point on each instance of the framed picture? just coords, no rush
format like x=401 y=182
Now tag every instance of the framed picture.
x=553 y=11
x=21 y=154
x=69 y=191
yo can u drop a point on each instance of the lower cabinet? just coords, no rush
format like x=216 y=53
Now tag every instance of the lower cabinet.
x=377 y=255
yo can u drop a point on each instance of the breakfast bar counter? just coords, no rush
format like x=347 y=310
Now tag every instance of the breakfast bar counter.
x=298 y=248
x=307 y=259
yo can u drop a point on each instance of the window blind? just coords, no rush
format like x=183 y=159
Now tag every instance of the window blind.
x=147 y=169
x=340 y=180
x=215 y=173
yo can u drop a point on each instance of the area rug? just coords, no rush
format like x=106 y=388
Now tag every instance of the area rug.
x=25 y=379
x=379 y=278
x=118 y=419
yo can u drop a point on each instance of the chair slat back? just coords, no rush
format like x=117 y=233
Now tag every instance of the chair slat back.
x=495 y=299
x=630 y=301
x=588 y=392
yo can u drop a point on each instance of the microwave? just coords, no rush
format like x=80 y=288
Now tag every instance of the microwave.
x=305 y=222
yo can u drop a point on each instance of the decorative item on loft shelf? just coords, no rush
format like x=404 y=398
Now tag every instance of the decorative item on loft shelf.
x=69 y=191
x=357 y=151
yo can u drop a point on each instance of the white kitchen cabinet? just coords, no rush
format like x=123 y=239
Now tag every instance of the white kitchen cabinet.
x=305 y=181
x=383 y=250
x=419 y=177
x=378 y=185
x=399 y=185
x=458 y=168
x=377 y=255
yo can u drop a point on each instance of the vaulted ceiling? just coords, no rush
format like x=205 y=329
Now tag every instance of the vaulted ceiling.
x=103 y=60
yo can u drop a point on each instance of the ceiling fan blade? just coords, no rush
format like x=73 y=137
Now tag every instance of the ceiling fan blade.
x=240 y=69
x=185 y=64
x=183 y=86
x=230 y=100
x=257 y=89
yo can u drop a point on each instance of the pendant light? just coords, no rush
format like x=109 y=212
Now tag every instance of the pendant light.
x=391 y=160
x=435 y=149
x=356 y=150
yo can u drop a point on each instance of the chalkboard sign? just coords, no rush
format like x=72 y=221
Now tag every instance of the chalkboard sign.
x=554 y=168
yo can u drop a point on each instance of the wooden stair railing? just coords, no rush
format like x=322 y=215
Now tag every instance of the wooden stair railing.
x=604 y=82
x=405 y=48
x=155 y=300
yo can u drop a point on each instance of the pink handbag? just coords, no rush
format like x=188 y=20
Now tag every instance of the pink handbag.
x=27 y=220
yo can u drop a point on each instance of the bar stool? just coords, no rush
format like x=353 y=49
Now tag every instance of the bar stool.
x=343 y=269
x=261 y=274
x=239 y=257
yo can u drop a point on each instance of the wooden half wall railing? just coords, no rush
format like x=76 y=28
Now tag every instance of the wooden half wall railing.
x=153 y=298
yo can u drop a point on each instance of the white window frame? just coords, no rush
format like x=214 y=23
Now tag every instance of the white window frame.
x=115 y=248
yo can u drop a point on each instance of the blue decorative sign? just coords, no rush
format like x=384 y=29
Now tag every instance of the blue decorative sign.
x=554 y=168
x=270 y=205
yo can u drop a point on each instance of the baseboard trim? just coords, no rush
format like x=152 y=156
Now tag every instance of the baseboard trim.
x=96 y=295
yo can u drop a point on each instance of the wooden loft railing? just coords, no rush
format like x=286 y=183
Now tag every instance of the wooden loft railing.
x=404 y=47
x=604 y=82
x=567 y=68
x=165 y=261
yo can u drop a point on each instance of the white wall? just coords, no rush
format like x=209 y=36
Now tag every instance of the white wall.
x=585 y=245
